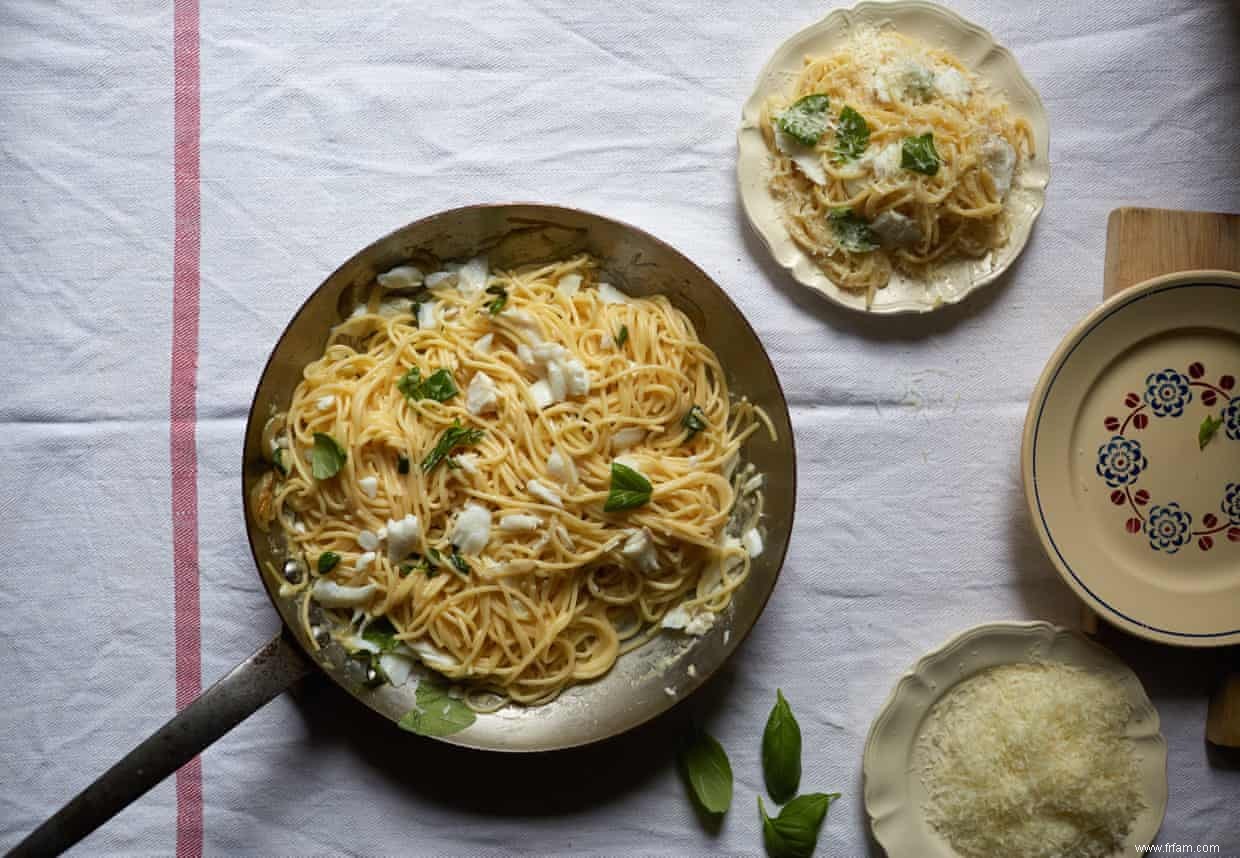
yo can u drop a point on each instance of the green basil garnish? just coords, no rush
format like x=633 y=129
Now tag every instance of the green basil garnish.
x=629 y=489
x=382 y=634
x=806 y=119
x=454 y=436
x=439 y=385
x=437 y=713
x=622 y=336
x=794 y=833
x=695 y=421
x=706 y=768
x=852 y=232
x=852 y=135
x=1208 y=429
x=458 y=562
x=327 y=457
x=277 y=459
x=498 y=303
x=781 y=751
x=919 y=155
x=327 y=561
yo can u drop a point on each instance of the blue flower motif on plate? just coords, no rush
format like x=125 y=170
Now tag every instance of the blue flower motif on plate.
x=1120 y=461
x=1169 y=528
x=1231 y=418
x=1167 y=393
x=1231 y=503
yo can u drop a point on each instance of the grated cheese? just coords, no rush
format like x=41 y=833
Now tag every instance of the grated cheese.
x=1031 y=760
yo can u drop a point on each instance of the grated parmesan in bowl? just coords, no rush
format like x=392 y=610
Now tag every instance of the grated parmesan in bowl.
x=1031 y=760
x=1016 y=739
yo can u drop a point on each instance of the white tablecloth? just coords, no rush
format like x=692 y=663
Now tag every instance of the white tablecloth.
x=324 y=125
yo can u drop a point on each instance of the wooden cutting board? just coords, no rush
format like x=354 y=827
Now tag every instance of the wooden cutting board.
x=1144 y=243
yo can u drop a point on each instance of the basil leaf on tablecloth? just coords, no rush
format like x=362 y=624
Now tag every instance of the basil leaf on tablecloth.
x=781 y=751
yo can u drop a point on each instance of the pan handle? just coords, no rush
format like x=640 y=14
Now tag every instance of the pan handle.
x=247 y=688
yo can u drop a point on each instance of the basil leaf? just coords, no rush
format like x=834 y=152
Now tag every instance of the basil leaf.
x=432 y=561
x=708 y=771
x=454 y=436
x=852 y=135
x=436 y=714
x=806 y=119
x=781 y=751
x=402 y=464
x=1209 y=428
x=458 y=562
x=852 y=232
x=410 y=384
x=919 y=155
x=327 y=561
x=405 y=569
x=622 y=336
x=382 y=633
x=629 y=489
x=277 y=459
x=327 y=457
x=695 y=421
x=440 y=386
x=500 y=300
x=794 y=833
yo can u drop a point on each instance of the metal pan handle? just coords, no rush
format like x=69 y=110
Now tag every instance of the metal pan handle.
x=247 y=688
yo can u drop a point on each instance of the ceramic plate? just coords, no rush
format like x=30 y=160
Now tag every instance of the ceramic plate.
x=894 y=794
x=977 y=49
x=1140 y=519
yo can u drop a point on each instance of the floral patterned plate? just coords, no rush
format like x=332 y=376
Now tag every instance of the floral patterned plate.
x=1131 y=459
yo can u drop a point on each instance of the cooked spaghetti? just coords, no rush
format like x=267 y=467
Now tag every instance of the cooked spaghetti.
x=526 y=473
x=888 y=154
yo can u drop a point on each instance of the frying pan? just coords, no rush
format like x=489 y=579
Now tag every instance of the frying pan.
x=644 y=683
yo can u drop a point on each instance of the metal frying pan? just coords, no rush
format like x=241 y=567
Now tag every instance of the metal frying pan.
x=636 y=690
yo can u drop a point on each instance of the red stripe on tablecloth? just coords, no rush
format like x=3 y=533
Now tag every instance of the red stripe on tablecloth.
x=184 y=409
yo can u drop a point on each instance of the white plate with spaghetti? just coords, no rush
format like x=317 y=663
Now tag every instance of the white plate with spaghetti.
x=893 y=157
x=993 y=721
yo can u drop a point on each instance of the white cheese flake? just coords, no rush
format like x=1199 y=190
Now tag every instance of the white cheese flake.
x=544 y=492
x=401 y=277
x=398 y=668
x=468 y=462
x=369 y=486
x=363 y=562
x=752 y=541
x=896 y=230
x=484 y=344
x=540 y=392
x=472 y=277
x=609 y=294
x=329 y=594
x=428 y=315
x=999 y=159
x=886 y=161
x=568 y=285
x=806 y=158
x=325 y=403
x=435 y=278
x=482 y=395
x=402 y=537
x=952 y=85
x=472 y=530
x=367 y=540
x=627 y=438
x=560 y=467
x=519 y=523
x=639 y=548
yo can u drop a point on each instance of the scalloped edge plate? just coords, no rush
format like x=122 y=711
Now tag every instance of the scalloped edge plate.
x=981 y=53
x=893 y=790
